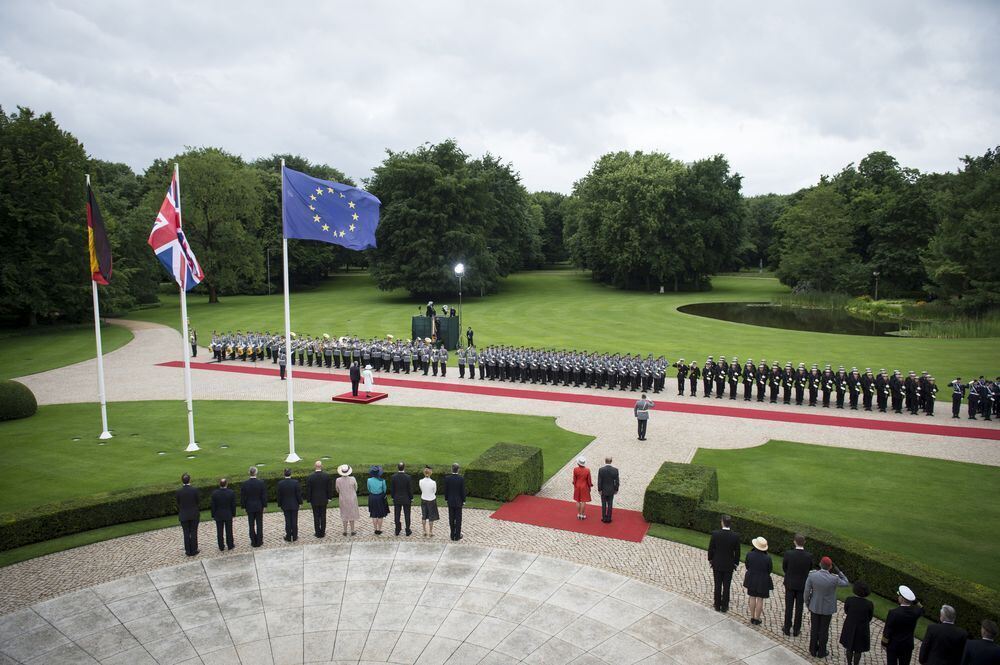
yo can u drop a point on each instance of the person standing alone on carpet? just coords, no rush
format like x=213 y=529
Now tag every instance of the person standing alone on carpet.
x=641 y=411
x=355 y=372
x=581 y=487
x=607 y=487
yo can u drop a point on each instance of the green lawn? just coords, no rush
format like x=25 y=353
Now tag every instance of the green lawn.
x=43 y=462
x=938 y=512
x=32 y=350
x=566 y=309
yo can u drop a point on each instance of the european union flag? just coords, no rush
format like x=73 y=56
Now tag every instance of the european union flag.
x=314 y=209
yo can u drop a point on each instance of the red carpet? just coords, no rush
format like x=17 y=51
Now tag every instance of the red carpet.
x=360 y=399
x=697 y=405
x=625 y=525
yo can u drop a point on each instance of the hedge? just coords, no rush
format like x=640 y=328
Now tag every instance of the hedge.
x=686 y=495
x=504 y=471
x=488 y=476
x=16 y=401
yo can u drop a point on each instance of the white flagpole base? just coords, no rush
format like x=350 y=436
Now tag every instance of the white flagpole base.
x=105 y=435
x=292 y=458
x=192 y=447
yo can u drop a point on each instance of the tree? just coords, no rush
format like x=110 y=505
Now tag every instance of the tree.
x=553 y=221
x=43 y=275
x=761 y=214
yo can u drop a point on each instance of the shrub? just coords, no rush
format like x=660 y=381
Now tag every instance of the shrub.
x=16 y=401
x=671 y=499
x=504 y=471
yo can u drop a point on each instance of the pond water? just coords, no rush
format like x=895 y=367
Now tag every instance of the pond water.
x=791 y=318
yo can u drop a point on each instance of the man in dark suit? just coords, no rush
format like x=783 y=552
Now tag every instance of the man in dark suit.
x=223 y=512
x=253 y=499
x=402 y=496
x=355 y=377
x=607 y=487
x=985 y=651
x=943 y=642
x=454 y=495
x=900 y=623
x=188 y=513
x=319 y=491
x=723 y=556
x=796 y=563
x=289 y=500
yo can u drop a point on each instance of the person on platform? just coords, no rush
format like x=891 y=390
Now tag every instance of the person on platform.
x=223 y=503
x=378 y=506
x=290 y=500
x=355 y=373
x=454 y=495
x=468 y=336
x=347 y=492
x=757 y=580
x=821 y=598
x=900 y=623
x=943 y=642
x=796 y=564
x=369 y=380
x=402 y=497
x=582 y=483
x=607 y=487
x=428 y=503
x=188 y=513
x=253 y=499
x=983 y=651
x=319 y=491
x=855 y=635
x=641 y=412
x=723 y=557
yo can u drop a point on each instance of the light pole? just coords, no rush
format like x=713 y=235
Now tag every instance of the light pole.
x=876 y=273
x=460 y=270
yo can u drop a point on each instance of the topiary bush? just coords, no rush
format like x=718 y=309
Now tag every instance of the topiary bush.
x=16 y=401
x=504 y=471
x=676 y=492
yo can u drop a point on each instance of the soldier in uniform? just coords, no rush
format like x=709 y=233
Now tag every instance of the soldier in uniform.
x=473 y=359
x=281 y=363
x=930 y=395
x=788 y=383
x=749 y=378
x=760 y=375
x=854 y=388
x=461 y=362
x=328 y=353
x=867 y=389
x=682 y=371
x=707 y=377
x=734 y=377
x=774 y=381
x=910 y=387
x=827 y=386
x=882 y=390
x=957 y=396
x=425 y=359
x=896 y=391
x=721 y=376
x=193 y=339
x=693 y=375
x=840 y=385
x=443 y=359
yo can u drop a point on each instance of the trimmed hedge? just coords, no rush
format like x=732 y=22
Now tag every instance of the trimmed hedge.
x=489 y=476
x=504 y=471
x=16 y=401
x=686 y=495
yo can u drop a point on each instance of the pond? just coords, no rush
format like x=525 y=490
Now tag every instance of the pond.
x=771 y=315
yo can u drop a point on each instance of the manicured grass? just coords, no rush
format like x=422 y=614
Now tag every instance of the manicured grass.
x=32 y=350
x=566 y=309
x=937 y=512
x=43 y=463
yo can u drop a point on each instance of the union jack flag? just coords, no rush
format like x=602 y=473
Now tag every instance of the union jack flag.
x=169 y=244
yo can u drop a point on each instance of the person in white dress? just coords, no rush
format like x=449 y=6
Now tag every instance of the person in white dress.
x=369 y=380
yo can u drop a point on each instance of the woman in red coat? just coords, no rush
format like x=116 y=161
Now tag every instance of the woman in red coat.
x=581 y=487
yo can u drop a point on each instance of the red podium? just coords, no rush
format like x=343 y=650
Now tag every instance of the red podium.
x=360 y=399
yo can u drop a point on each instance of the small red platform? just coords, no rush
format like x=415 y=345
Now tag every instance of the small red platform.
x=554 y=514
x=360 y=399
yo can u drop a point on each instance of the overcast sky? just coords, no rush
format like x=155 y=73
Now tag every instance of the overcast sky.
x=787 y=91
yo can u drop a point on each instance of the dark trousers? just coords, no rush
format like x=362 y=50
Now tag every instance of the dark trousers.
x=281 y=369
x=819 y=633
x=354 y=387
x=396 y=508
x=642 y=428
x=319 y=520
x=291 y=523
x=956 y=405
x=256 y=523
x=898 y=654
x=194 y=350
x=793 y=597
x=190 y=529
x=225 y=528
x=455 y=521
x=607 y=501
x=723 y=578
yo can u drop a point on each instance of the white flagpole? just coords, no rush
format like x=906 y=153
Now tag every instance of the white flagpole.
x=101 y=393
x=292 y=457
x=192 y=446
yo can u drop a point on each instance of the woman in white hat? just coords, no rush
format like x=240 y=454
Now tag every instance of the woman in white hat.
x=347 y=490
x=369 y=380
x=758 y=578
x=581 y=487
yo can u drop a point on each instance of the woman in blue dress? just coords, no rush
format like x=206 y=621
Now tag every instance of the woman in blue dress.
x=378 y=506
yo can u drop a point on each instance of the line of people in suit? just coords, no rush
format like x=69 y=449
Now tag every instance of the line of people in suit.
x=320 y=489
x=807 y=586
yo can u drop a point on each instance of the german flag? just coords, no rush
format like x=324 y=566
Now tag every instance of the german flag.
x=97 y=241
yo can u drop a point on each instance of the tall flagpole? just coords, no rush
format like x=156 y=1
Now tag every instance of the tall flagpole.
x=192 y=446
x=105 y=432
x=292 y=457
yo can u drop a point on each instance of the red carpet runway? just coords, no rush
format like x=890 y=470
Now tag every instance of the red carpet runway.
x=698 y=405
x=625 y=525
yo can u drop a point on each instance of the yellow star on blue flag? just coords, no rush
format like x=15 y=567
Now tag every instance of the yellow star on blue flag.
x=352 y=208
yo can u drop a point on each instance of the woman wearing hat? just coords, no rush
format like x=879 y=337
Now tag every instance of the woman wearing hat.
x=855 y=636
x=347 y=490
x=369 y=380
x=378 y=506
x=758 y=578
x=581 y=487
